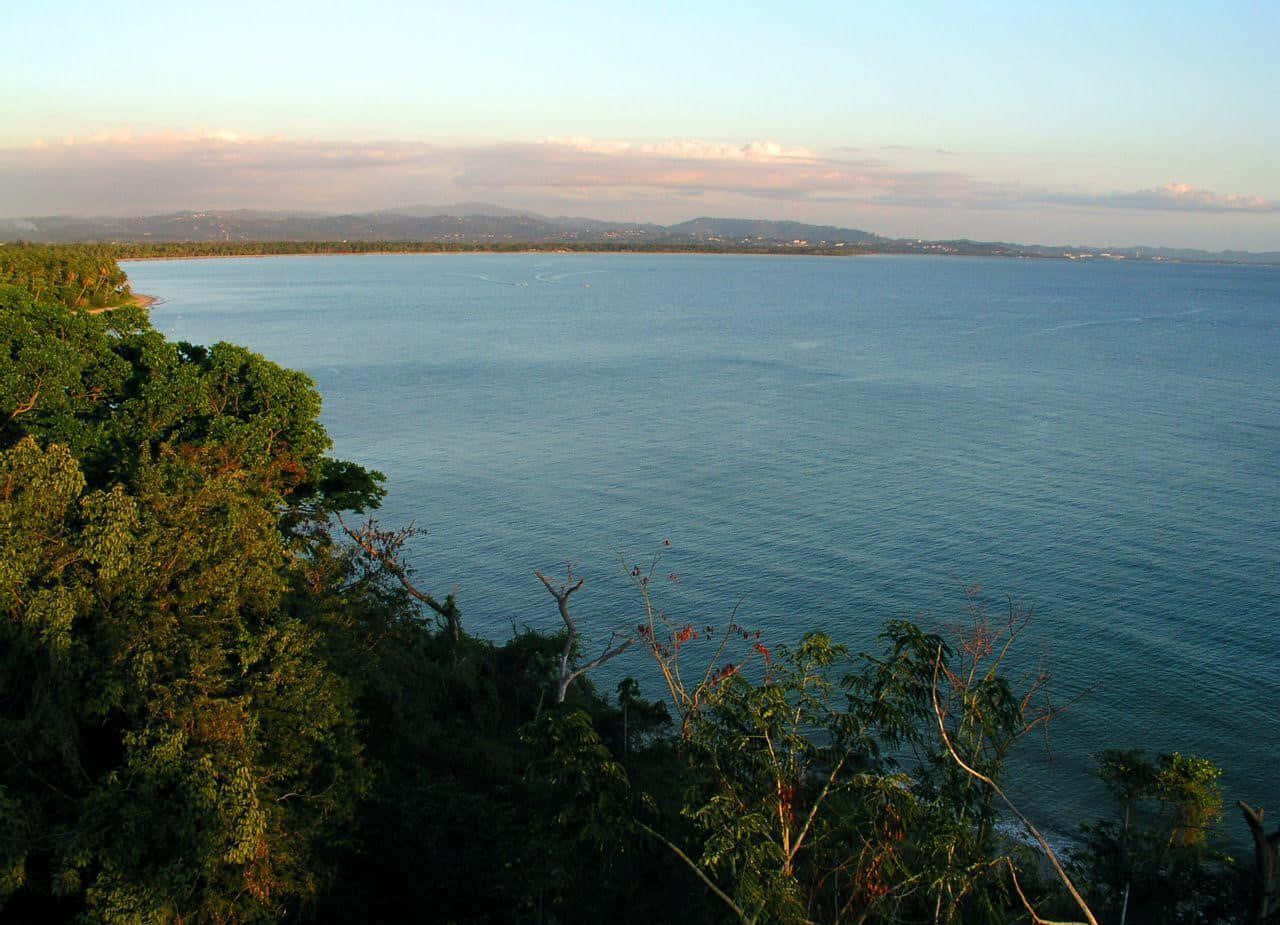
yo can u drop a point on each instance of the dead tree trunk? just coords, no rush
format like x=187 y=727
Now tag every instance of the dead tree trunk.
x=568 y=674
x=1266 y=873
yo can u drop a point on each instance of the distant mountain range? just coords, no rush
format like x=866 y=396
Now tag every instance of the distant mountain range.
x=483 y=223
x=471 y=222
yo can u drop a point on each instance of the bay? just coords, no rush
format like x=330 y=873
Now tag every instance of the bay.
x=827 y=443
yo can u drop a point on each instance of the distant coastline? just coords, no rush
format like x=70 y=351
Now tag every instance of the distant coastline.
x=245 y=233
x=219 y=250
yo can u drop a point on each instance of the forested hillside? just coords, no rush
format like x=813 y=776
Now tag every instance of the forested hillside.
x=226 y=697
x=81 y=276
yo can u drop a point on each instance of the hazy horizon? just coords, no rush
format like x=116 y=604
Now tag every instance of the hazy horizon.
x=1054 y=124
x=428 y=210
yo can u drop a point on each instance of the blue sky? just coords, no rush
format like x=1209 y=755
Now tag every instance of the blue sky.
x=1108 y=123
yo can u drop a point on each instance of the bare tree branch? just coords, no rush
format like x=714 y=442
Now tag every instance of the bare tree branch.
x=603 y=657
x=826 y=788
x=562 y=593
x=1036 y=918
x=30 y=403
x=383 y=547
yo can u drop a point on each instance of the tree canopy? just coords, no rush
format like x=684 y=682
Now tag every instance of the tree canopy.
x=71 y=275
x=175 y=738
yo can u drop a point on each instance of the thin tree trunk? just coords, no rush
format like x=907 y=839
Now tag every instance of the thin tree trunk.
x=567 y=674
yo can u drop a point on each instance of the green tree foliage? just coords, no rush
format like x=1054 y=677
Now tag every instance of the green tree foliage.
x=797 y=813
x=176 y=744
x=803 y=810
x=927 y=696
x=72 y=275
x=1160 y=861
x=173 y=728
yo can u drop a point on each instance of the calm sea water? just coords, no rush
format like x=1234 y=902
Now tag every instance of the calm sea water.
x=828 y=443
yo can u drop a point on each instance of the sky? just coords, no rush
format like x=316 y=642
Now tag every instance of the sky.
x=1100 y=123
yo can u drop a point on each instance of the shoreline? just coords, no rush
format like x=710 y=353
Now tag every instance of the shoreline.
x=138 y=300
x=675 y=252
x=531 y=250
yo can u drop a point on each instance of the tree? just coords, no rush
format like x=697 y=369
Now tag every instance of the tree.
x=1157 y=861
x=570 y=672
x=951 y=706
x=176 y=741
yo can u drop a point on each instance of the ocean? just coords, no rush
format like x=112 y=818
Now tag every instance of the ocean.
x=828 y=443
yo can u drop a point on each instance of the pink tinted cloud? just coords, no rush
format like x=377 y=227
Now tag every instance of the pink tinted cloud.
x=1174 y=197
x=147 y=173
x=138 y=173
x=762 y=169
x=125 y=172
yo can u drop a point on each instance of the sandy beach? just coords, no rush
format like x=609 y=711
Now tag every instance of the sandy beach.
x=140 y=300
